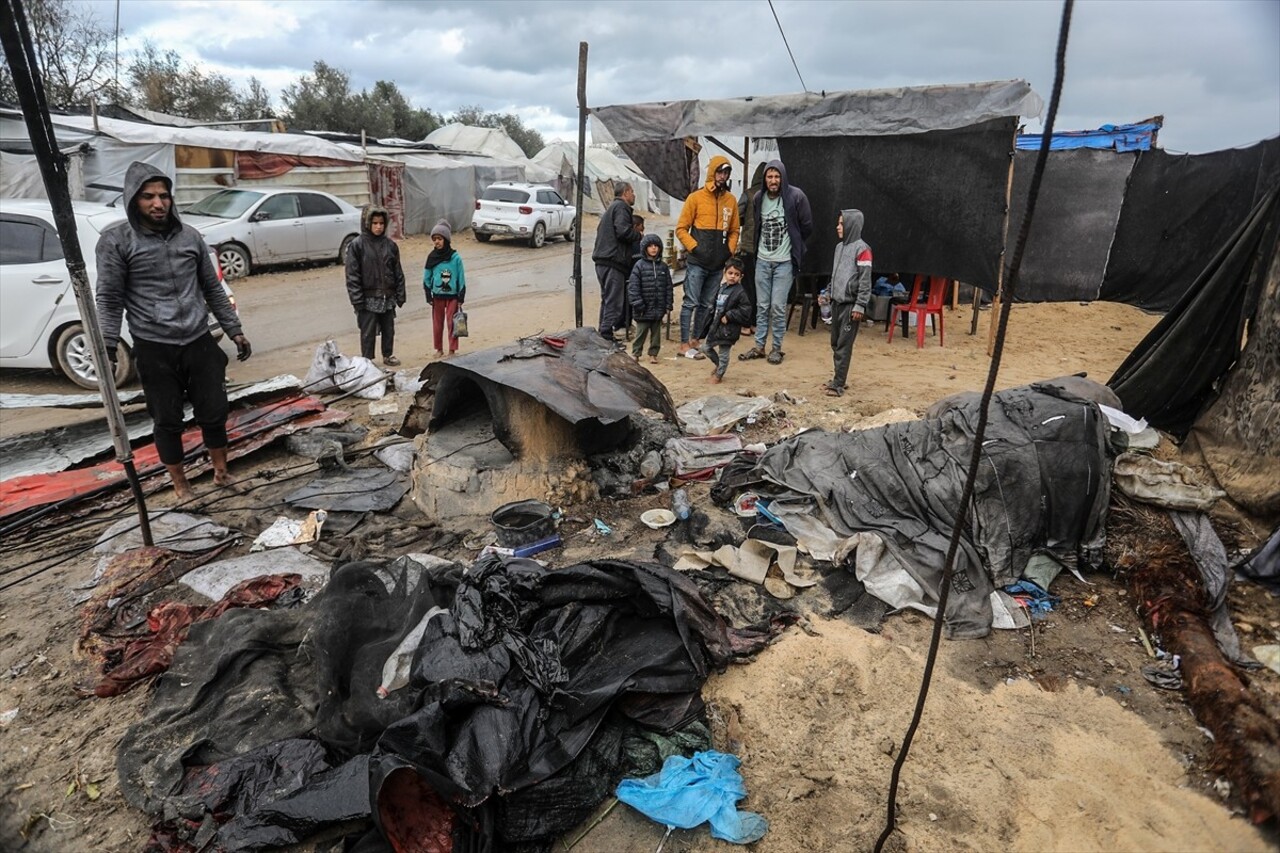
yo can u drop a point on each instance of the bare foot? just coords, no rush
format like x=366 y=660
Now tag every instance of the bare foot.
x=183 y=493
x=653 y=359
x=715 y=380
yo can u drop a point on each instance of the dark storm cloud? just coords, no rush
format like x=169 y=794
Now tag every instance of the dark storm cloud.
x=1212 y=69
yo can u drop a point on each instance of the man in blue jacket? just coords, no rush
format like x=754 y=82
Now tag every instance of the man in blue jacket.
x=783 y=224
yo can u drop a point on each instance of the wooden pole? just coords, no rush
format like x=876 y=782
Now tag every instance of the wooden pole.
x=582 y=159
x=1004 y=239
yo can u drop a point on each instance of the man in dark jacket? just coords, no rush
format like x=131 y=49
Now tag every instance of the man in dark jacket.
x=615 y=236
x=160 y=272
x=375 y=284
x=783 y=224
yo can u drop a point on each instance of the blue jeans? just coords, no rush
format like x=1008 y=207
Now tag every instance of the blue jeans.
x=700 y=285
x=773 y=286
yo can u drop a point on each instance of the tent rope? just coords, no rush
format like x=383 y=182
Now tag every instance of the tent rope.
x=975 y=457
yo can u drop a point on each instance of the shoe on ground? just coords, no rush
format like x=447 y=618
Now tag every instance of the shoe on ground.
x=391 y=361
x=775 y=357
x=754 y=352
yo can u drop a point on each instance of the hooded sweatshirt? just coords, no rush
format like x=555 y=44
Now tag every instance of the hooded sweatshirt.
x=649 y=288
x=708 y=224
x=851 y=267
x=795 y=208
x=164 y=279
x=375 y=279
x=747 y=236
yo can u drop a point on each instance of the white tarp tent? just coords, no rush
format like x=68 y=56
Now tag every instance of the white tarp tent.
x=603 y=168
x=492 y=141
x=436 y=187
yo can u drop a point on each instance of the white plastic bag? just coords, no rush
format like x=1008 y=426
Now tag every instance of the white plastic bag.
x=331 y=371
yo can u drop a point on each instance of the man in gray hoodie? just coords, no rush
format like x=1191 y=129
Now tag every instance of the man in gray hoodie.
x=850 y=290
x=160 y=273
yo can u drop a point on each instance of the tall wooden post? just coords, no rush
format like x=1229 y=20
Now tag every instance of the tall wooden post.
x=582 y=159
x=1004 y=241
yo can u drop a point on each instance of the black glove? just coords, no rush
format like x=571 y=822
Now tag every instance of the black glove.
x=243 y=349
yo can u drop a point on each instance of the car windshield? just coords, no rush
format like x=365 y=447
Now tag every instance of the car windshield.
x=506 y=194
x=224 y=204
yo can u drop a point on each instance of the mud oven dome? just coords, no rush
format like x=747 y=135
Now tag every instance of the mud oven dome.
x=521 y=420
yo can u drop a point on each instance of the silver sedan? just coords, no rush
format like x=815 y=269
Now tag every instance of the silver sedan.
x=257 y=227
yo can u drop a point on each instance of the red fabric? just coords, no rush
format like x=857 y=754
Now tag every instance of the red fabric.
x=256 y=165
x=442 y=311
x=169 y=622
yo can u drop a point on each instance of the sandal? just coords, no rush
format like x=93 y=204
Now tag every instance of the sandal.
x=775 y=357
x=754 y=352
x=832 y=391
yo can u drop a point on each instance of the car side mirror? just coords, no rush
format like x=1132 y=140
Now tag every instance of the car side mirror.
x=260 y=216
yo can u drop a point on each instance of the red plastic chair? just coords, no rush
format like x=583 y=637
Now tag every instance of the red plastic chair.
x=931 y=308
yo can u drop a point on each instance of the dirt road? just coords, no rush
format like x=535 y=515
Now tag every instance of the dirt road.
x=287 y=312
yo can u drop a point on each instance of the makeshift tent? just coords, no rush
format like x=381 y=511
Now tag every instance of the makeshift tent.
x=928 y=165
x=491 y=141
x=603 y=168
x=435 y=187
x=201 y=159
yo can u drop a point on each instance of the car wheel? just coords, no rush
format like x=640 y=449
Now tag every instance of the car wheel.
x=234 y=261
x=75 y=359
x=539 y=236
x=342 y=250
x=483 y=238
x=572 y=233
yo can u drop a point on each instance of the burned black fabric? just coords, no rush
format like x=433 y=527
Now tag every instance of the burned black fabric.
x=1172 y=374
x=934 y=202
x=1042 y=487
x=1178 y=209
x=1079 y=204
x=517 y=671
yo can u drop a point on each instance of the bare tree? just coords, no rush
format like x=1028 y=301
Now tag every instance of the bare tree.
x=74 y=51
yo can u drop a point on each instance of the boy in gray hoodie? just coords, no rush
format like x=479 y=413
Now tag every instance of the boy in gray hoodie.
x=850 y=290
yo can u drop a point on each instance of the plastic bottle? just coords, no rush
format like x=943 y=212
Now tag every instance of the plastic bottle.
x=651 y=465
x=680 y=504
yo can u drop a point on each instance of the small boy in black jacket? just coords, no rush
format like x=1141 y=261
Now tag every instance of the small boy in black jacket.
x=649 y=293
x=732 y=312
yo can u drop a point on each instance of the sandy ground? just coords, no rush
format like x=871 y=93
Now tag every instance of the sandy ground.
x=1044 y=740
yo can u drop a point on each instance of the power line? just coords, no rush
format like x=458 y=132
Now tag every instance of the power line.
x=788 y=46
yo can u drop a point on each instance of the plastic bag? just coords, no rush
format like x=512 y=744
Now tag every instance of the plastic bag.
x=331 y=371
x=460 y=324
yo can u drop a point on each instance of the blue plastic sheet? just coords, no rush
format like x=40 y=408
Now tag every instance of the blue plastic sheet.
x=689 y=792
x=1109 y=137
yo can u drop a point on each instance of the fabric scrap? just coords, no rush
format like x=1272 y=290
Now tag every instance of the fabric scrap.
x=688 y=792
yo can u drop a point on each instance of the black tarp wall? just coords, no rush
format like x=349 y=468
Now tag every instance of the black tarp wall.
x=1076 y=214
x=1178 y=210
x=934 y=202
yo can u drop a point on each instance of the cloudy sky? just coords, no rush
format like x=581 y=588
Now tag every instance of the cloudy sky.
x=1211 y=68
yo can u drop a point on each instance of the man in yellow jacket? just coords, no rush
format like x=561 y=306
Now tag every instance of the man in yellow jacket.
x=708 y=230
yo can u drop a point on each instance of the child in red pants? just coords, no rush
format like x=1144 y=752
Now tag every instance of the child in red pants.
x=445 y=284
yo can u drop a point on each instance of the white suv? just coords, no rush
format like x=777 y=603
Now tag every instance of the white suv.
x=531 y=212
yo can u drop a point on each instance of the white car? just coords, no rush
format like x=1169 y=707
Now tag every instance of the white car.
x=40 y=324
x=276 y=225
x=531 y=212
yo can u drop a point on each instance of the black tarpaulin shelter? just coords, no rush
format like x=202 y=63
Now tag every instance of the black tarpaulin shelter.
x=1173 y=373
x=928 y=165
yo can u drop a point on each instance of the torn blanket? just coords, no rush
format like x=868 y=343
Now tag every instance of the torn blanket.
x=1042 y=487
